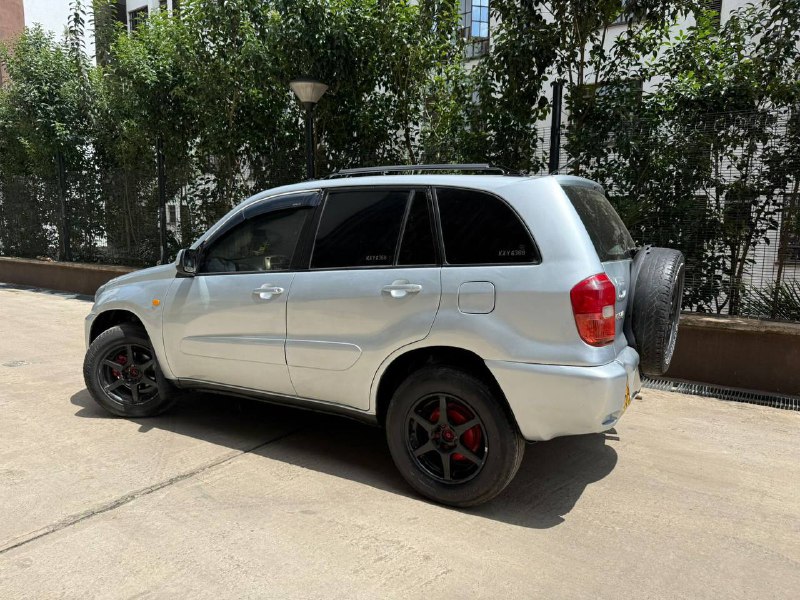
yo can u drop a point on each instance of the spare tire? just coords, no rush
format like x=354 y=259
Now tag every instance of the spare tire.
x=656 y=307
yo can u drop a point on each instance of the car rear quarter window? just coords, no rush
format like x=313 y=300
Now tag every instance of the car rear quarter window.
x=610 y=238
x=359 y=228
x=480 y=229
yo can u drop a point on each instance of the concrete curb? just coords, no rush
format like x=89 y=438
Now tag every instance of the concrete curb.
x=80 y=278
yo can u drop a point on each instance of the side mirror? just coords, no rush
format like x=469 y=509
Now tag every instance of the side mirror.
x=187 y=262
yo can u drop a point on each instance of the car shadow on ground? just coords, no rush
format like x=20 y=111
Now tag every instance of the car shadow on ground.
x=550 y=481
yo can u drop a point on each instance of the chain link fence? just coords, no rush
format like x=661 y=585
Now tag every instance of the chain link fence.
x=725 y=191
x=112 y=217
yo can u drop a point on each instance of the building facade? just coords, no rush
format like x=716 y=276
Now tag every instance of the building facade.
x=137 y=11
x=12 y=22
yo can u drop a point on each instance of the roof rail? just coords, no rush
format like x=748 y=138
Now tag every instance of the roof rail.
x=393 y=169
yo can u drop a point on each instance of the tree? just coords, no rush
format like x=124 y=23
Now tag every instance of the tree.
x=698 y=162
x=46 y=133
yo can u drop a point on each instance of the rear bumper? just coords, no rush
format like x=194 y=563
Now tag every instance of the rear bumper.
x=553 y=400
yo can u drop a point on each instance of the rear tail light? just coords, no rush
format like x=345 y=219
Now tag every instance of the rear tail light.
x=593 y=306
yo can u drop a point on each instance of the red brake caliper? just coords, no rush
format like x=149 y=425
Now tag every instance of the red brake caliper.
x=122 y=360
x=457 y=415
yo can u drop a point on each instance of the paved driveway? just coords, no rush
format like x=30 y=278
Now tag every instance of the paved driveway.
x=687 y=498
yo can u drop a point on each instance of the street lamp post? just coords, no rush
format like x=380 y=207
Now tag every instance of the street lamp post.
x=308 y=91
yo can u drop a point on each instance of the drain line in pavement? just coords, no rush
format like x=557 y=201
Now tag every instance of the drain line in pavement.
x=724 y=393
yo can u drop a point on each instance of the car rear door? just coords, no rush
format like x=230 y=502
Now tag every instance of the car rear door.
x=373 y=286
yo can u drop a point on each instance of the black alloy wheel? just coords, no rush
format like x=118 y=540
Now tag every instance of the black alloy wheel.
x=452 y=436
x=128 y=374
x=122 y=373
x=446 y=438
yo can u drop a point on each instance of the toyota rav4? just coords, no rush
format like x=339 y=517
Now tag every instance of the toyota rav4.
x=464 y=313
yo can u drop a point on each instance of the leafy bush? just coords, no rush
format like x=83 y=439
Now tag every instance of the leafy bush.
x=771 y=302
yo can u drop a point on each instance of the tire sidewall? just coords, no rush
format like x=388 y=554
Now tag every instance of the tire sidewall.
x=503 y=439
x=677 y=287
x=660 y=278
x=98 y=350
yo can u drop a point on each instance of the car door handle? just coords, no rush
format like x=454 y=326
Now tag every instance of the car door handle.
x=401 y=288
x=266 y=292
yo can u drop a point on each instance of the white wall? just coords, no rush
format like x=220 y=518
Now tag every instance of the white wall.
x=53 y=16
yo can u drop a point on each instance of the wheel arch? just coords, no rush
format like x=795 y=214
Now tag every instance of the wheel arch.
x=401 y=366
x=112 y=317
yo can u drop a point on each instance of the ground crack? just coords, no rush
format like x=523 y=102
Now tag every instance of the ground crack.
x=131 y=496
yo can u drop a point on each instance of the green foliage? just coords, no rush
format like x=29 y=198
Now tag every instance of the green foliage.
x=680 y=127
x=698 y=161
x=780 y=302
x=44 y=113
x=509 y=87
x=212 y=87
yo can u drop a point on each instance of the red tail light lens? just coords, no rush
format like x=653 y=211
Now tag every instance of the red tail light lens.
x=594 y=309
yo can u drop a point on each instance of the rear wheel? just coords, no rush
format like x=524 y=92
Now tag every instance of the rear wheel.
x=451 y=438
x=122 y=373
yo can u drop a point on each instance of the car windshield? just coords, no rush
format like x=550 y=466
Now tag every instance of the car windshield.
x=610 y=237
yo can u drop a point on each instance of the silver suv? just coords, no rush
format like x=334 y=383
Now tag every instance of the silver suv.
x=464 y=313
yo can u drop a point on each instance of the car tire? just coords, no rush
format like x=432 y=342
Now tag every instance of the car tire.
x=134 y=388
x=481 y=460
x=656 y=309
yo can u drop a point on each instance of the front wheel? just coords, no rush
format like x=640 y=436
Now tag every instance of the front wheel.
x=451 y=437
x=122 y=373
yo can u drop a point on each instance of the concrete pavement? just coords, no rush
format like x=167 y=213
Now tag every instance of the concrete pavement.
x=687 y=498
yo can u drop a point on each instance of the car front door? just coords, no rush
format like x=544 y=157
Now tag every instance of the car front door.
x=373 y=286
x=227 y=324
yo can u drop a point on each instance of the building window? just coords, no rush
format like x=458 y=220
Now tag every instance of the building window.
x=162 y=5
x=475 y=26
x=172 y=213
x=136 y=18
x=792 y=229
x=715 y=5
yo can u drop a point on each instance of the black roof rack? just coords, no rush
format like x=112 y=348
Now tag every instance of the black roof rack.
x=394 y=169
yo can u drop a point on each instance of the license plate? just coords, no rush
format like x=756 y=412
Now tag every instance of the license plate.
x=627 y=397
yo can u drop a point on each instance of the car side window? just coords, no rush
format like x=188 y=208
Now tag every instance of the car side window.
x=265 y=242
x=417 y=245
x=480 y=229
x=359 y=228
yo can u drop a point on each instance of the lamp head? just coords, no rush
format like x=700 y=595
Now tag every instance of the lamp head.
x=307 y=90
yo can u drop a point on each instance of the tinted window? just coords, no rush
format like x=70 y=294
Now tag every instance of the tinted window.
x=608 y=233
x=479 y=228
x=359 y=229
x=263 y=243
x=417 y=244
